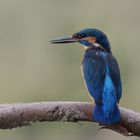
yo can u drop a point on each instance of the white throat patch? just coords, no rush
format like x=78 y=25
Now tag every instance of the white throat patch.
x=95 y=45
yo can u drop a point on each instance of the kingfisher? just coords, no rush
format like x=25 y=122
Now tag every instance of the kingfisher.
x=101 y=74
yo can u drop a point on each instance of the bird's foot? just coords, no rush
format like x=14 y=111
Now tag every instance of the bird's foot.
x=118 y=128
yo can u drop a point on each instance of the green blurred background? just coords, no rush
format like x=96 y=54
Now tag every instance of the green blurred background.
x=33 y=70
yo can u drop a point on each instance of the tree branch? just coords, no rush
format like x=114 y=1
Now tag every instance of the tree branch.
x=21 y=114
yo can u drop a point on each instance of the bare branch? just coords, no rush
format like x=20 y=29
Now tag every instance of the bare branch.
x=21 y=114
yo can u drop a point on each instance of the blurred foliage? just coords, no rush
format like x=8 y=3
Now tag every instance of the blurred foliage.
x=33 y=70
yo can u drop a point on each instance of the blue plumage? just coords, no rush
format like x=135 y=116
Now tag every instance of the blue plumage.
x=103 y=82
x=101 y=74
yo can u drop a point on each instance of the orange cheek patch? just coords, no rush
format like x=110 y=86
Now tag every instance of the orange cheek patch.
x=90 y=39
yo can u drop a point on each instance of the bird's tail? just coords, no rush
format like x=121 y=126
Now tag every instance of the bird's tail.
x=107 y=112
x=106 y=118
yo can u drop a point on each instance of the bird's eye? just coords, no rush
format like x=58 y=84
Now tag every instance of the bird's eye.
x=82 y=35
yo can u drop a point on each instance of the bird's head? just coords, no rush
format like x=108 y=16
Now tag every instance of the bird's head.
x=89 y=37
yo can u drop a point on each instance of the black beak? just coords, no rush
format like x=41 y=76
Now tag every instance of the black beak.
x=64 y=40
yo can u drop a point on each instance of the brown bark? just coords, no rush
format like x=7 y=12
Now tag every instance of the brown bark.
x=22 y=114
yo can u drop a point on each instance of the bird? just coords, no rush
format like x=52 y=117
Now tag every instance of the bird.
x=100 y=72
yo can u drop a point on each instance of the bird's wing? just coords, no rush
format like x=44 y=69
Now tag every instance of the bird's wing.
x=115 y=75
x=94 y=75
